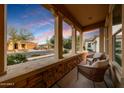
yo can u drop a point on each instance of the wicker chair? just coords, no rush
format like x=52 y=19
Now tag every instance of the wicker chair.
x=94 y=73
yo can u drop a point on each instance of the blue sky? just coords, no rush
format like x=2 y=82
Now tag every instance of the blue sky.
x=36 y=19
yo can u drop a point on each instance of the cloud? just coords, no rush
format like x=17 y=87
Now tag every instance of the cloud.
x=91 y=34
x=31 y=12
x=24 y=17
x=43 y=36
x=67 y=30
x=39 y=23
x=67 y=33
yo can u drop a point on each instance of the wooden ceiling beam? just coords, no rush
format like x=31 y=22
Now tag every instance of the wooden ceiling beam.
x=93 y=26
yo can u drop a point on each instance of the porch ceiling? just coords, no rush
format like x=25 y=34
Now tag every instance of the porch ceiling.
x=87 y=14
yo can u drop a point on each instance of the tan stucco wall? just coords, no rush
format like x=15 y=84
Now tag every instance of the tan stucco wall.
x=31 y=45
x=10 y=46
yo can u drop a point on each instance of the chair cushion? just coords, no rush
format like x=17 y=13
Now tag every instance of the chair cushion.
x=97 y=55
x=90 y=59
x=100 y=63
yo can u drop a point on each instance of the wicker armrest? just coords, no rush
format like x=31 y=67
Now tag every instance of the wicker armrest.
x=86 y=67
x=92 y=73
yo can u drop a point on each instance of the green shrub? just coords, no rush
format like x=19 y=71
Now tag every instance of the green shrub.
x=16 y=59
x=118 y=51
x=118 y=60
x=66 y=51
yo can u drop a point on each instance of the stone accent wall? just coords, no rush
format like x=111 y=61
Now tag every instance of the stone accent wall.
x=45 y=77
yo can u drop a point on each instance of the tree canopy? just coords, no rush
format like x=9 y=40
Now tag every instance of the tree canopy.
x=66 y=42
x=19 y=35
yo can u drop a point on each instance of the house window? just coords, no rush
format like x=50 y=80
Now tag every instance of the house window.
x=30 y=33
x=15 y=46
x=117 y=34
x=89 y=45
x=23 y=46
x=67 y=38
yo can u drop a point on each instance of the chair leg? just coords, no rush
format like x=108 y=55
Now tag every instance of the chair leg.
x=105 y=83
x=93 y=84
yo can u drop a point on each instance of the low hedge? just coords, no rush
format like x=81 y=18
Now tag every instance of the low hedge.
x=16 y=58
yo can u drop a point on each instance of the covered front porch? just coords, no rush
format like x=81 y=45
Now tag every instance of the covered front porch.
x=59 y=70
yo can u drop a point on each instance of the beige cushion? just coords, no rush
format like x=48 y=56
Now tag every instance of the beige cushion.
x=100 y=63
x=90 y=59
x=97 y=55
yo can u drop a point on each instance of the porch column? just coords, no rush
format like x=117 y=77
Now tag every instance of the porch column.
x=73 y=40
x=58 y=37
x=110 y=45
x=110 y=38
x=81 y=41
x=101 y=41
x=106 y=40
x=2 y=39
x=123 y=43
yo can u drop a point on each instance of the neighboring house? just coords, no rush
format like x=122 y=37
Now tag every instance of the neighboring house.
x=92 y=44
x=21 y=45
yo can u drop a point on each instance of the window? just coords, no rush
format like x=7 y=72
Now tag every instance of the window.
x=117 y=34
x=30 y=33
x=67 y=38
x=91 y=40
x=118 y=48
